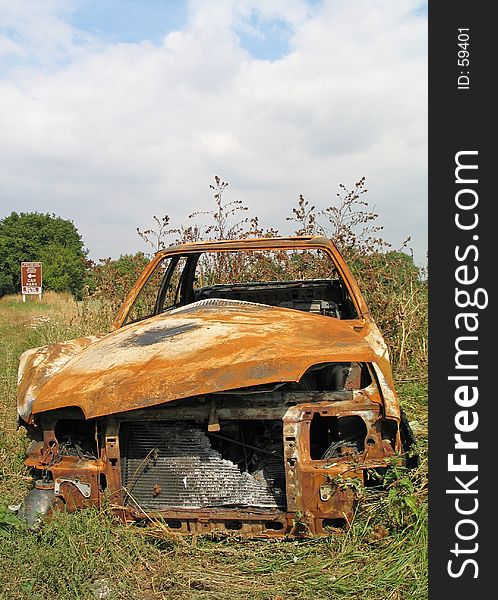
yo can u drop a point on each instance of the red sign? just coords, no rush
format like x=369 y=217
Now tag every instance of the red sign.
x=31 y=278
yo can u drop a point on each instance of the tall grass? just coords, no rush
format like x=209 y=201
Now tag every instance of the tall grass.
x=86 y=555
x=26 y=325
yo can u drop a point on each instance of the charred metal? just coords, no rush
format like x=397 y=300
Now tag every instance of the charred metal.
x=237 y=407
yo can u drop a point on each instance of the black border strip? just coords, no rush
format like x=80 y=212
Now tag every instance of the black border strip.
x=461 y=121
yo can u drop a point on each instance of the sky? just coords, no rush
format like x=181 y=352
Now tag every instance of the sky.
x=112 y=111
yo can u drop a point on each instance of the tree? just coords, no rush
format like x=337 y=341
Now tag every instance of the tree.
x=41 y=237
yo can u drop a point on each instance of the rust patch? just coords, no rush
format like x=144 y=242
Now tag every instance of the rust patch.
x=209 y=353
x=38 y=365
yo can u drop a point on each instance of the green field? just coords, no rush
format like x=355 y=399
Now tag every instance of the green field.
x=89 y=555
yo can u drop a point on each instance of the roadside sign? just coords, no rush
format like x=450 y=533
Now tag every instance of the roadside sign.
x=31 y=279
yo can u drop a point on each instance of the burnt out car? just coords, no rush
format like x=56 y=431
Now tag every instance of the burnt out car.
x=244 y=383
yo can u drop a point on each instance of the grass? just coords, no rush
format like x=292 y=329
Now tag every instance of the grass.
x=88 y=555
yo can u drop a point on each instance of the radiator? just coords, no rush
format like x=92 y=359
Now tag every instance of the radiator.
x=166 y=466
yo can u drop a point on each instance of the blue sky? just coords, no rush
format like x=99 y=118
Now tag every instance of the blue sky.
x=129 y=20
x=114 y=111
x=138 y=20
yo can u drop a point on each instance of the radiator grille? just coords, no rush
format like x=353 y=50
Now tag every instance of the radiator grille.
x=168 y=465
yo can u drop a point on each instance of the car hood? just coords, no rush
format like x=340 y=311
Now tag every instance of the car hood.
x=208 y=346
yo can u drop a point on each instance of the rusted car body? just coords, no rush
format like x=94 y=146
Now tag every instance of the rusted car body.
x=243 y=407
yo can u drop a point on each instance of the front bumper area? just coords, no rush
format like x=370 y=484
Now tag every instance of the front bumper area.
x=285 y=473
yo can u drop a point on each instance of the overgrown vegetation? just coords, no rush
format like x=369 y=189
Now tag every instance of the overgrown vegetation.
x=383 y=555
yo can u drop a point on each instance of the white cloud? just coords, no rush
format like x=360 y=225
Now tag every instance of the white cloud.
x=109 y=134
x=39 y=31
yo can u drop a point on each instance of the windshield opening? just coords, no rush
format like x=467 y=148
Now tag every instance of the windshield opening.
x=305 y=280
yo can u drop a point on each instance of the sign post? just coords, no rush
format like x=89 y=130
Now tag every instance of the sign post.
x=31 y=279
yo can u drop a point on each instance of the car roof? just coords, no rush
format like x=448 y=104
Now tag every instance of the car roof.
x=265 y=243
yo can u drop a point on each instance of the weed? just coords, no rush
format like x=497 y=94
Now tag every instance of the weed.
x=8 y=521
